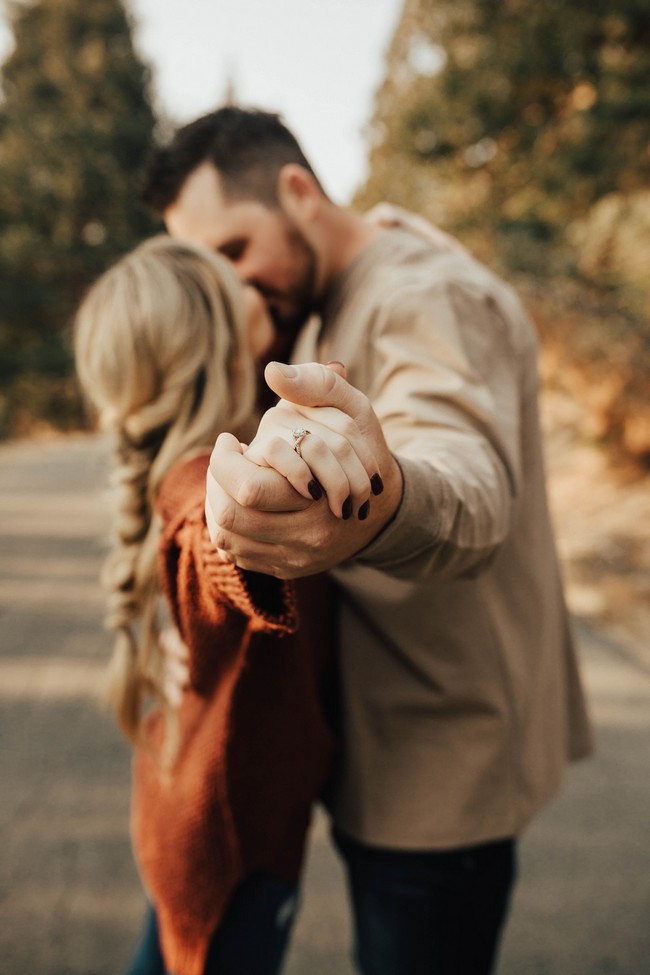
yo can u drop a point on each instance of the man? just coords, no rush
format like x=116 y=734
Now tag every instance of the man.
x=460 y=701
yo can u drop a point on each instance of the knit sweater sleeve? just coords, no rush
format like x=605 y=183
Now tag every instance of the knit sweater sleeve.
x=212 y=603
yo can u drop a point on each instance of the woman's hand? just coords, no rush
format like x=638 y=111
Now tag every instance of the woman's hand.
x=331 y=458
x=260 y=521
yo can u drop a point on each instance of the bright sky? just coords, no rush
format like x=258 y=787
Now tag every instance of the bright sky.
x=317 y=62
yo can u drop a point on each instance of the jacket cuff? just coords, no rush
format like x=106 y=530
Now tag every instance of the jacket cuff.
x=416 y=525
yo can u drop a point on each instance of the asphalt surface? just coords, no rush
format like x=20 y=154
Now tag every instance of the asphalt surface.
x=70 y=898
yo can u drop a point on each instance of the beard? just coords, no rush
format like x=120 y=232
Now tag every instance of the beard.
x=299 y=298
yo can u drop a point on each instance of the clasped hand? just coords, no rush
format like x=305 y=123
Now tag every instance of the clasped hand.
x=273 y=510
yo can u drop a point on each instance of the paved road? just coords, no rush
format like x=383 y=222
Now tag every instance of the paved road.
x=70 y=899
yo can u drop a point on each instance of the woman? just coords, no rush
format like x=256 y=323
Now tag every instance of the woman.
x=166 y=347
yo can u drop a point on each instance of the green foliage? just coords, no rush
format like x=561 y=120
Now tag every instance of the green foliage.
x=76 y=125
x=540 y=109
x=523 y=126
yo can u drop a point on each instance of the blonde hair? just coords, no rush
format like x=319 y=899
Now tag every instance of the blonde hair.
x=161 y=352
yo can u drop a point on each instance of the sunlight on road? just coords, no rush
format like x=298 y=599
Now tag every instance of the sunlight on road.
x=49 y=679
x=618 y=691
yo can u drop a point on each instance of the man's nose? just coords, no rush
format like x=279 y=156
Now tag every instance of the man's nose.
x=247 y=272
x=252 y=281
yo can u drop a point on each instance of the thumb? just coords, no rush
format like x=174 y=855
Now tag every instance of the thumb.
x=338 y=368
x=313 y=384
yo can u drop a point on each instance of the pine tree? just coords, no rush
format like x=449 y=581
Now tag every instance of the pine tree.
x=76 y=125
x=523 y=126
x=514 y=116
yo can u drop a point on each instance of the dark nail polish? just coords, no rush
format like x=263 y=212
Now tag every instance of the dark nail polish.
x=315 y=489
x=364 y=511
x=376 y=484
x=346 y=510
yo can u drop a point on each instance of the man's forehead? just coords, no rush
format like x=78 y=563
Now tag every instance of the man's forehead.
x=202 y=214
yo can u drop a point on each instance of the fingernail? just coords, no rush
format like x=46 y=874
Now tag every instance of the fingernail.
x=315 y=489
x=289 y=372
x=346 y=510
x=364 y=511
x=335 y=362
x=376 y=484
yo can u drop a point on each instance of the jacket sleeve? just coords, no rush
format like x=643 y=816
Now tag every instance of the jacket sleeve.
x=212 y=603
x=452 y=362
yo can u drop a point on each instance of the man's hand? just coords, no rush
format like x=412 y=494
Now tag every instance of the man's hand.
x=258 y=521
x=333 y=456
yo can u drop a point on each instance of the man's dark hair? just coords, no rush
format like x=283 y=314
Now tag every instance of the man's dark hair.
x=247 y=146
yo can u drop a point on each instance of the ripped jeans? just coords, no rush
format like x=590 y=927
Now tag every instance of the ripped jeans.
x=251 y=939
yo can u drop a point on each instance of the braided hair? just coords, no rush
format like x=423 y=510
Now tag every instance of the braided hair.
x=161 y=353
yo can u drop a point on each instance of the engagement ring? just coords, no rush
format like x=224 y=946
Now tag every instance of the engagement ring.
x=299 y=434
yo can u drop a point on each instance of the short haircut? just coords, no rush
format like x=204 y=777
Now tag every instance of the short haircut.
x=248 y=147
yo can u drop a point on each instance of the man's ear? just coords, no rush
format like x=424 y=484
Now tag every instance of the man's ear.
x=299 y=195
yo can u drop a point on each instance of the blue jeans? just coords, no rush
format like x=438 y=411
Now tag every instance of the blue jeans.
x=428 y=912
x=251 y=939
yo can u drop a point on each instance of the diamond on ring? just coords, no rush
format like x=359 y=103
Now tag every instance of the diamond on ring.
x=299 y=434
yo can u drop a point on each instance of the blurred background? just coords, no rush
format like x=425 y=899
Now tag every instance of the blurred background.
x=521 y=127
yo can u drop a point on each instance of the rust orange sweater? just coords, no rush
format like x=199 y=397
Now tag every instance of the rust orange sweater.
x=254 y=745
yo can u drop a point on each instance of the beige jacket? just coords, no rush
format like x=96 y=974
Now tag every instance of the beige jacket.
x=460 y=695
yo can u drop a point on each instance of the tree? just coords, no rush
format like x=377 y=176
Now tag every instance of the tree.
x=515 y=116
x=76 y=125
x=523 y=126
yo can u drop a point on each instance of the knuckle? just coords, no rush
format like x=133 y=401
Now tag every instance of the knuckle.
x=317 y=447
x=220 y=444
x=284 y=413
x=275 y=447
x=328 y=378
x=290 y=570
x=346 y=427
x=291 y=563
x=223 y=512
x=228 y=556
x=316 y=539
x=220 y=540
x=270 y=418
x=341 y=447
x=249 y=494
